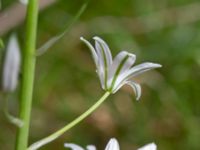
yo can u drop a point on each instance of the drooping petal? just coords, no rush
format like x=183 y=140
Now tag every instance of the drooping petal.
x=73 y=146
x=11 y=65
x=112 y=145
x=91 y=147
x=136 y=88
x=122 y=62
x=105 y=57
x=151 y=146
x=136 y=70
x=99 y=65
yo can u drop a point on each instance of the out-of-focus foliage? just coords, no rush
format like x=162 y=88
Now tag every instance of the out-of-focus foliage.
x=162 y=31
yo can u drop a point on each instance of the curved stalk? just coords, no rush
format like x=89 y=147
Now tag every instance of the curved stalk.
x=58 y=133
x=12 y=119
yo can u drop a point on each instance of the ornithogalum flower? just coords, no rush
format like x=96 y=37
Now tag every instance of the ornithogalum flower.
x=113 y=74
x=112 y=145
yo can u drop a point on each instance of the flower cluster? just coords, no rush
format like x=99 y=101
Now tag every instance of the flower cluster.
x=112 y=145
x=113 y=74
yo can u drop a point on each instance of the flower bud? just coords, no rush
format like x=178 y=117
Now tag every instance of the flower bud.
x=11 y=65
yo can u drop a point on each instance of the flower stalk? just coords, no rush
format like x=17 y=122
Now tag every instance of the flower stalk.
x=28 y=69
x=58 y=133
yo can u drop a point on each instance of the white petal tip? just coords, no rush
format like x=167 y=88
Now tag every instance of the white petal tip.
x=90 y=147
x=131 y=55
x=159 y=65
x=112 y=144
x=96 y=38
x=82 y=38
x=151 y=146
x=73 y=146
x=138 y=98
x=156 y=65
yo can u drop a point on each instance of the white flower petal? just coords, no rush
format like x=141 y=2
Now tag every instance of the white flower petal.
x=112 y=145
x=151 y=146
x=94 y=54
x=122 y=62
x=136 y=88
x=11 y=65
x=129 y=63
x=103 y=48
x=105 y=58
x=134 y=71
x=73 y=146
x=91 y=147
x=98 y=62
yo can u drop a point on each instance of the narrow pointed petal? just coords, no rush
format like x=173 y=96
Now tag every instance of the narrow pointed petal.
x=112 y=145
x=90 y=147
x=98 y=62
x=11 y=65
x=103 y=49
x=134 y=72
x=73 y=146
x=105 y=58
x=151 y=146
x=94 y=54
x=136 y=88
x=122 y=62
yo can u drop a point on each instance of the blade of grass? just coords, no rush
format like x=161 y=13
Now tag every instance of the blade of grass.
x=56 y=38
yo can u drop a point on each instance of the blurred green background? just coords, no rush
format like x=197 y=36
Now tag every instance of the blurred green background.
x=162 y=31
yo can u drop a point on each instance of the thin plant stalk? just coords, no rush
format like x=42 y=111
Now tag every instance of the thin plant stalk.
x=28 y=69
x=58 y=133
x=56 y=38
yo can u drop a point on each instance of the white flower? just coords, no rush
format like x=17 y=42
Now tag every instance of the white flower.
x=11 y=65
x=112 y=145
x=113 y=74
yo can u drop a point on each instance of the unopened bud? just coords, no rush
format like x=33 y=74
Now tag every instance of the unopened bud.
x=25 y=2
x=11 y=65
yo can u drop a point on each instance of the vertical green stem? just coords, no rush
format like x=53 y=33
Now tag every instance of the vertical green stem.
x=28 y=69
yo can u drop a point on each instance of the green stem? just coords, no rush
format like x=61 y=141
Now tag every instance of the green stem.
x=58 y=133
x=28 y=69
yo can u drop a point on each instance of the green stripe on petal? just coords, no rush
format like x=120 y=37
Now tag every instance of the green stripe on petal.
x=134 y=71
x=105 y=57
x=122 y=62
x=97 y=60
x=119 y=68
